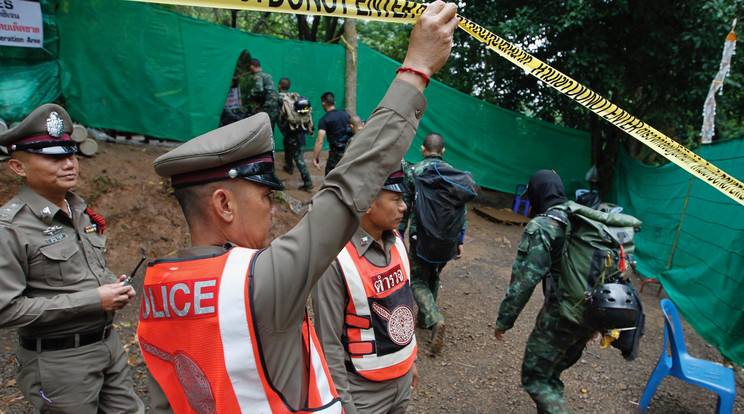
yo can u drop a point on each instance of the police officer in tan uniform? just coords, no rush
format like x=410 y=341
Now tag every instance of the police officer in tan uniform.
x=55 y=287
x=235 y=208
x=384 y=381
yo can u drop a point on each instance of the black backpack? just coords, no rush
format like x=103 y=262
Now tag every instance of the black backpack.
x=441 y=194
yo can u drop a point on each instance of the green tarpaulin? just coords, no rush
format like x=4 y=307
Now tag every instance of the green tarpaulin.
x=29 y=77
x=141 y=68
x=704 y=278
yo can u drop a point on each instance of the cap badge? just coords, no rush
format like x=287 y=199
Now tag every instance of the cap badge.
x=55 y=125
x=232 y=173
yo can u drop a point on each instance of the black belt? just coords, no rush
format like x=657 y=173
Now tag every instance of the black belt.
x=58 y=343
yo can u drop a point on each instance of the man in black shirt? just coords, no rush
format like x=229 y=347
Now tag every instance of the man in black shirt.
x=335 y=124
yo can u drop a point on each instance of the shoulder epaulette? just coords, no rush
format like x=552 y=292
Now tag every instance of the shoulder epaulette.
x=10 y=209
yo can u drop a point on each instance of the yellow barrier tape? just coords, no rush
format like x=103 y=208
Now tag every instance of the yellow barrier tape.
x=402 y=11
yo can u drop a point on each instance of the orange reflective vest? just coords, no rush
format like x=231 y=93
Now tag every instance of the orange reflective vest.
x=379 y=324
x=198 y=337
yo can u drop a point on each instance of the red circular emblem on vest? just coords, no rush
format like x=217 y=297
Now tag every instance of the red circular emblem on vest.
x=195 y=385
x=400 y=325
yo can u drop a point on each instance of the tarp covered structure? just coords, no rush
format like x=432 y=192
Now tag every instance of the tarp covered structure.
x=29 y=77
x=704 y=277
x=141 y=68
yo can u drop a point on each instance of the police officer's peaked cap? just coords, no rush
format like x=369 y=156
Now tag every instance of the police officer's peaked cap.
x=395 y=183
x=243 y=149
x=46 y=130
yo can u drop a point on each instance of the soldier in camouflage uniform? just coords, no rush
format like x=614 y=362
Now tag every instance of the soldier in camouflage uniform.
x=555 y=343
x=425 y=275
x=263 y=93
x=294 y=140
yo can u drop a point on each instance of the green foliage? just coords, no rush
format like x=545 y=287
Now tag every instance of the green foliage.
x=390 y=39
x=655 y=59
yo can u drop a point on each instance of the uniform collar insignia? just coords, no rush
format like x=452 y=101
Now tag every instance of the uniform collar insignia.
x=46 y=212
x=364 y=240
x=55 y=125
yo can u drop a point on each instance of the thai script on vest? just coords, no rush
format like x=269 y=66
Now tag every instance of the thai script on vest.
x=387 y=280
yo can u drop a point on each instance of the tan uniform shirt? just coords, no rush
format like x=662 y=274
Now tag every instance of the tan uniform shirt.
x=330 y=297
x=50 y=267
x=287 y=270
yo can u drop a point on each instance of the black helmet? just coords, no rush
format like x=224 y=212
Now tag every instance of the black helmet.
x=612 y=305
x=302 y=105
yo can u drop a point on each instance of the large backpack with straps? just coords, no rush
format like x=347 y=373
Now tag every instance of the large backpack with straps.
x=597 y=248
x=441 y=194
x=296 y=109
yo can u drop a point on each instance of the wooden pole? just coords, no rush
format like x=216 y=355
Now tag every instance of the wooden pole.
x=350 y=40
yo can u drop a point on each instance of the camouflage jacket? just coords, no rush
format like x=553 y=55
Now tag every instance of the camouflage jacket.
x=538 y=256
x=411 y=171
x=263 y=90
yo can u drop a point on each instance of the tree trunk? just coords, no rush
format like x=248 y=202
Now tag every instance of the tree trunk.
x=352 y=47
x=605 y=140
x=330 y=28
x=303 y=29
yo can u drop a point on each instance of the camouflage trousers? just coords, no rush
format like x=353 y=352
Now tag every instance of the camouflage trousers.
x=425 y=287
x=554 y=345
x=334 y=156
x=272 y=110
x=293 y=155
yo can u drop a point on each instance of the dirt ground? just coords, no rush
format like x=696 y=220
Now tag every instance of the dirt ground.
x=473 y=374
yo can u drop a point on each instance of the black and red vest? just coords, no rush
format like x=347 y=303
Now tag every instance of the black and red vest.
x=379 y=322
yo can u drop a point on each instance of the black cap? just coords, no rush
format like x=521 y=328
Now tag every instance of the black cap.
x=395 y=183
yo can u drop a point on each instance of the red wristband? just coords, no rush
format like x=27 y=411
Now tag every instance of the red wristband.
x=418 y=72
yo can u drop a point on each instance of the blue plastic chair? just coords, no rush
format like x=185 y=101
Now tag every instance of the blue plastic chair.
x=688 y=368
x=518 y=201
